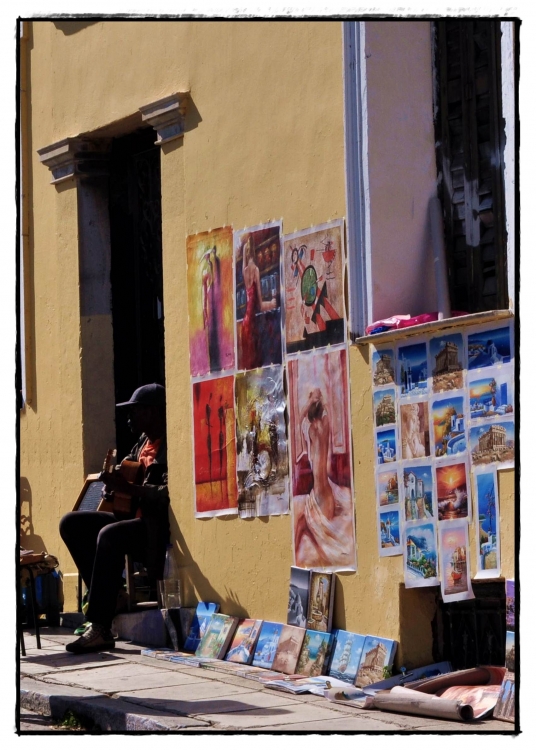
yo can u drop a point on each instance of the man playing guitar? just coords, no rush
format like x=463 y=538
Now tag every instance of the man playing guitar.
x=99 y=540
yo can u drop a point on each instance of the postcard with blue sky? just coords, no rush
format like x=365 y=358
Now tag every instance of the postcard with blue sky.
x=412 y=369
x=418 y=492
x=267 y=644
x=493 y=443
x=389 y=540
x=447 y=362
x=386 y=449
x=383 y=367
x=488 y=556
x=384 y=407
x=387 y=486
x=346 y=655
x=455 y=563
x=420 y=554
x=491 y=393
x=448 y=420
x=491 y=346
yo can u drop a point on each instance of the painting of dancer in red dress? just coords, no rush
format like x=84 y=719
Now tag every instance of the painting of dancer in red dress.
x=258 y=298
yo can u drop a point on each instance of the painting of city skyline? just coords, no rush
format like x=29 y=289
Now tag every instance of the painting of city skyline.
x=388 y=487
x=386 y=446
x=412 y=363
x=447 y=362
x=488 y=556
x=383 y=364
x=420 y=554
x=384 y=407
x=490 y=347
x=455 y=568
x=452 y=491
x=389 y=533
x=418 y=492
x=449 y=426
x=492 y=396
x=492 y=443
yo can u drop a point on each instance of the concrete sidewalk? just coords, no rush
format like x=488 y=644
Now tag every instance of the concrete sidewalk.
x=123 y=691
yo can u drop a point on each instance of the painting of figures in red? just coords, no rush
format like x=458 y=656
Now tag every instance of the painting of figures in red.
x=322 y=500
x=214 y=447
x=210 y=301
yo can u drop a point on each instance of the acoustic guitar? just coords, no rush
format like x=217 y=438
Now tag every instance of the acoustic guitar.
x=132 y=471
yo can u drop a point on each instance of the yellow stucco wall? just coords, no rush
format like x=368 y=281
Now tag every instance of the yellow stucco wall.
x=264 y=139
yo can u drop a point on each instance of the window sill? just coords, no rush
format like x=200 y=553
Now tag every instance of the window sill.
x=462 y=321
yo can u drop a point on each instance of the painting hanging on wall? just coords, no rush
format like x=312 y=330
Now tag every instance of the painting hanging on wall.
x=453 y=490
x=491 y=393
x=261 y=443
x=447 y=362
x=387 y=486
x=314 y=263
x=488 y=563
x=455 y=566
x=210 y=301
x=389 y=539
x=448 y=418
x=489 y=346
x=493 y=443
x=257 y=252
x=418 y=492
x=322 y=498
x=420 y=554
x=214 y=447
x=412 y=375
x=414 y=430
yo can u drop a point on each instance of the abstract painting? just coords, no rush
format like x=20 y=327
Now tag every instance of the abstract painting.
x=314 y=263
x=210 y=301
x=214 y=447
x=257 y=252
x=322 y=499
x=261 y=443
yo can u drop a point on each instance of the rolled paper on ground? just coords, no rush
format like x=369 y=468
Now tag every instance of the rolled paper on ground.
x=406 y=701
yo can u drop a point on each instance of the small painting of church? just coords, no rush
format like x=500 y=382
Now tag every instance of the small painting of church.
x=491 y=347
x=386 y=446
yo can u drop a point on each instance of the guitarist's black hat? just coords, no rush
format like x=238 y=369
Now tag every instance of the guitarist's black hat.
x=152 y=394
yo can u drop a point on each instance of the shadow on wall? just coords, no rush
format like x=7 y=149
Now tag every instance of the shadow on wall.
x=417 y=613
x=203 y=590
x=72 y=27
x=28 y=537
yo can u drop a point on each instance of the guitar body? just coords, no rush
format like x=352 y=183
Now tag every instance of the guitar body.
x=132 y=471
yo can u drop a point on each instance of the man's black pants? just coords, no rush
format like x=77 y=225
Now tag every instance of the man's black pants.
x=98 y=543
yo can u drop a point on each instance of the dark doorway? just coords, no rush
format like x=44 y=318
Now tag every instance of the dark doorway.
x=136 y=275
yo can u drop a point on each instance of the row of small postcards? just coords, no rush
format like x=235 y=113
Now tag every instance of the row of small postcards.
x=443 y=411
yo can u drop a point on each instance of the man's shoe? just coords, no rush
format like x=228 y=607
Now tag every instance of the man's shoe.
x=95 y=638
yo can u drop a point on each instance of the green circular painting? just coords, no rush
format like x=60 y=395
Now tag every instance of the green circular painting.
x=308 y=285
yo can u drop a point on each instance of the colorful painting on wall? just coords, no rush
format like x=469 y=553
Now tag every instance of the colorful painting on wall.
x=383 y=366
x=492 y=396
x=261 y=443
x=488 y=564
x=210 y=301
x=288 y=649
x=314 y=263
x=447 y=360
x=214 y=447
x=448 y=416
x=387 y=487
x=378 y=654
x=420 y=554
x=452 y=487
x=267 y=642
x=313 y=654
x=418 y=492
x=389 y=533
x=491 y=346
x=384 y=407
x=455 y=566
x=493 y=443
x=242 y=646
x=414 y=430
x=257 y=252
x=322 y=504
x=412 y=375
x=386 y=451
